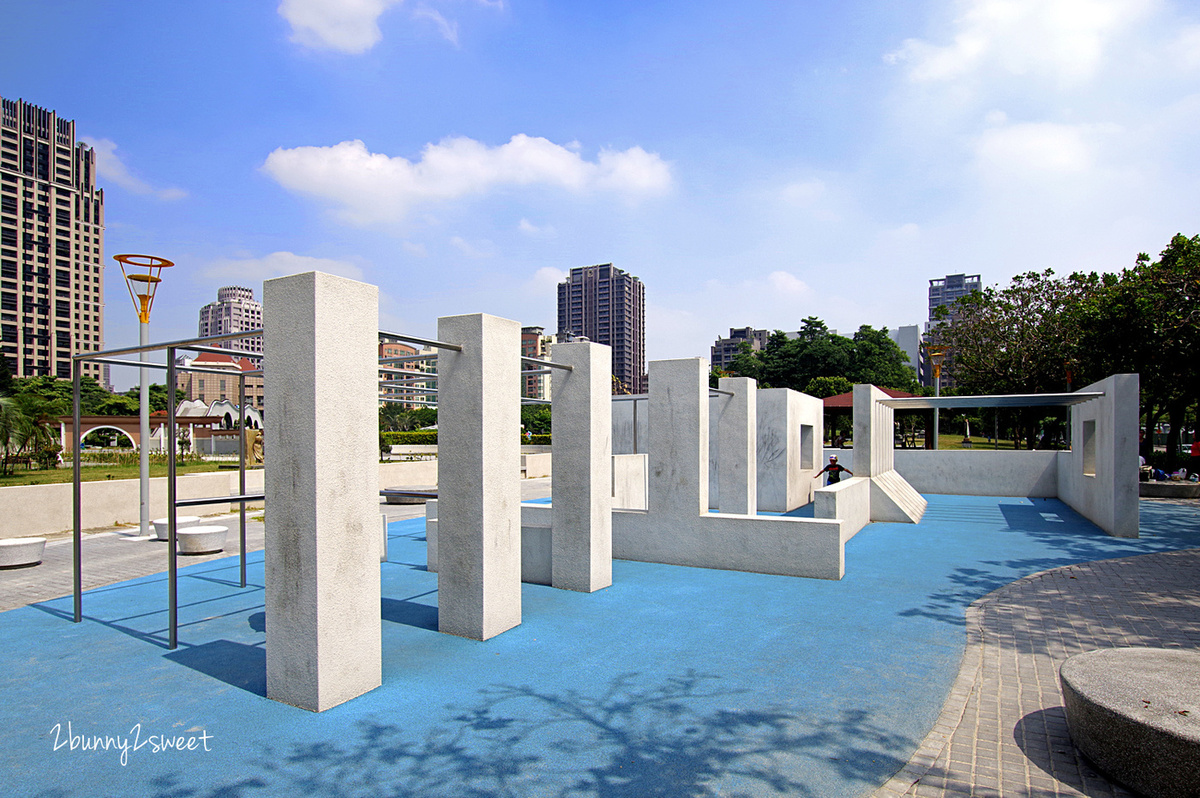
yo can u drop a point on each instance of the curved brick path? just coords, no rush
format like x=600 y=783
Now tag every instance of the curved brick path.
x=1002 y=731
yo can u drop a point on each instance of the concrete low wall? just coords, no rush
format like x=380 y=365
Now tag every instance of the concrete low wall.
x=849 y=501
x=980 y=472
x=536 y=466
x=44 y=509
x=629 y=481
x=759 y=544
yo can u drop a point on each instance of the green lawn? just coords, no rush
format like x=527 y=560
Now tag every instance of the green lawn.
x=91 y=473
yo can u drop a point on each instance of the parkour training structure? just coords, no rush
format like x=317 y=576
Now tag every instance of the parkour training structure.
x=755 y=450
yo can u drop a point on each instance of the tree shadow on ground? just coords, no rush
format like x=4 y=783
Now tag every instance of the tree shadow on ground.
x=674 y=737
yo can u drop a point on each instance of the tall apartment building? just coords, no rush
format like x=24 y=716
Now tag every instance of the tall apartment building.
x=408 y=389
x=535 y=343
x=908 y=338
x=234 y=311
x=946 y=291
x=608 y=306
x=726 y=349
x=952 y=287
x=51 y=244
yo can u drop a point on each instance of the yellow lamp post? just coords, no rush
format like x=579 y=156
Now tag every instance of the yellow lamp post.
x=937 y=354
x=142 y=276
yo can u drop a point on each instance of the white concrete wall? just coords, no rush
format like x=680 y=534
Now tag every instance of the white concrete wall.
x=980 y=472
x=479 y=490
x=1109 y=497
x=737 y=435
x=790 y=429
x=536 y=466
x=629 y=481
x=759 y=544
x=848 y=501
x=623 y=414
x=320 y=337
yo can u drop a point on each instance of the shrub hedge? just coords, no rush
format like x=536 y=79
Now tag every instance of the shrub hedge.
x=430 y=438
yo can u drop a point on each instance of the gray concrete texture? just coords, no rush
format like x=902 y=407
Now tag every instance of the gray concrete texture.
x=581 y=528
x=737 y=435
x=479 y=513
x=1135 y=713
x=322 y=553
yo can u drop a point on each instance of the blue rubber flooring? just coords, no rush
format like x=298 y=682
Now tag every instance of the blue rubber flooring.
x=674 y=682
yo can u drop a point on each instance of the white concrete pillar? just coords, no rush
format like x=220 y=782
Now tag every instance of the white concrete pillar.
x=479 y=476
x=678 y=437
x=320 y=335
x=874 y=432
x=581 y=492
x=737 y=432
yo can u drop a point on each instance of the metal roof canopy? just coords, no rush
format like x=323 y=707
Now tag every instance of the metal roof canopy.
x=1011 y=400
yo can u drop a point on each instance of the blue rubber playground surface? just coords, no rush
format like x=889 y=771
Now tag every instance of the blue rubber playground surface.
x=673 y=682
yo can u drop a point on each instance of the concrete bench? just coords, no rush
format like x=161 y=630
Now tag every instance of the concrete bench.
x=18 y=552
x=201 y=539
x=1135 y=713
x=409 y=495
x=162 y=525
x=1175 y=489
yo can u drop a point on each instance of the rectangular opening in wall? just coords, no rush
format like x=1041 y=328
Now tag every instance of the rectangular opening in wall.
x=806 y=446
x=1088 y=446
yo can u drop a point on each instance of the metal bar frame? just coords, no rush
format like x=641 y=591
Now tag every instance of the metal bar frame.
x=77 y=494
x=172 y=520
x=242 y=475
x=412 y=339
x=406 y=358
x=194 y=344
x=536 y=361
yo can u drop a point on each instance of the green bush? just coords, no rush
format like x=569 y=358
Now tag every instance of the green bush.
x=430 y=438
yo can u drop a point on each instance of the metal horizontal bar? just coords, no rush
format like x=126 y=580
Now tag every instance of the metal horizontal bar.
x=401 y=401
x=426 y=374
x=711 y=391
x=406 y=358
x=412 y=339
x=407 y=389
x=525 y=401
x=220 y=350
x=408 y=381
x=537 y=361
x=1009 y=400
x=187 y=343
x=536 y=371
x=246 y=497
x=631 y=397
x=112 y=361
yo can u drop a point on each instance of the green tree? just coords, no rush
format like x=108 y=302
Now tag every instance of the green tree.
x=825 y=387
x=877 y=360
x=536 y=419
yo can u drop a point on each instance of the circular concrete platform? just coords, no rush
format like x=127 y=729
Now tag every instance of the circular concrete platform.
x=1135 y=713
x=1169 y=490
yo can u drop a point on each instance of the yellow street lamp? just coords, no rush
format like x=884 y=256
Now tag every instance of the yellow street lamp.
x=937 y=354
x=142 y=276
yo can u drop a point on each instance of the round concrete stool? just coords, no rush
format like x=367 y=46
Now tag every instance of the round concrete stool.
x=21 y=552
x=201 y=539
x=162 y=525
x=1135 y=713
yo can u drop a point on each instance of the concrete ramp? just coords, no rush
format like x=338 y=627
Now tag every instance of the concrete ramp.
x=893 y=499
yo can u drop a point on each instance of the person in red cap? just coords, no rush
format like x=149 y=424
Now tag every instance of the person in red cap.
x=834 y=470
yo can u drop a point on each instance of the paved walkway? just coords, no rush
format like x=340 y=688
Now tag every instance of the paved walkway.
x=1002 y=731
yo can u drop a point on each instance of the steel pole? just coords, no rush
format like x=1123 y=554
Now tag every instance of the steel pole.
x=937 y=391
x=76 y=494
x=242 y=474
x=172 y=523
x=144 y=433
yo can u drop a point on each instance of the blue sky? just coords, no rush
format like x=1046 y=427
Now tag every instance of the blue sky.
x=753 y=164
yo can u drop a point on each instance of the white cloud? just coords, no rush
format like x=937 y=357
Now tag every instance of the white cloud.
x=372 y=187
x=1036 y=148
x=448 y=29
x=415 y=249
x=545 y=281
x=1064 y=40
x=483 y=250
x=534 y=231
x=110 y=167
x=350 y=26
x=277 y=264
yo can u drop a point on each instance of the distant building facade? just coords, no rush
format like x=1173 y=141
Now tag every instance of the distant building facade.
x=209 y=388
x=535 y=343
x=726 y=349
x=946 y=291
x=235 y=310
x=910 y=341
x=51 y=245
x=608 y=306
x=407 y=389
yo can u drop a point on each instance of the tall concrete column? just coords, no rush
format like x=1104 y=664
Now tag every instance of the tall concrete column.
x=581 y=495
x=678 y=477
x=479 y=476
x=320 y=344
x=737 y=431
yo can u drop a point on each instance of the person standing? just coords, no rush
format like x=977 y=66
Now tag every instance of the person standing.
x=834 y=470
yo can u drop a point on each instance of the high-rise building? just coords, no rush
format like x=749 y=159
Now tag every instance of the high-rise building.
x=608 y=306
x=234 y=311
x=726 y=349
x=908 y=339
x=535 y=343
x=51 y=244
x=949 y=289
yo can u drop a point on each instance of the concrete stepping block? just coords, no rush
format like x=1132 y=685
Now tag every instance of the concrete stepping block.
x=201 y=539
x=18 y=552
x=162 y=525
x=1135 y=713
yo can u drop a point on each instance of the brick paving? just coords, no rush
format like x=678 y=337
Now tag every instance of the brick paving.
x=1002 y=731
